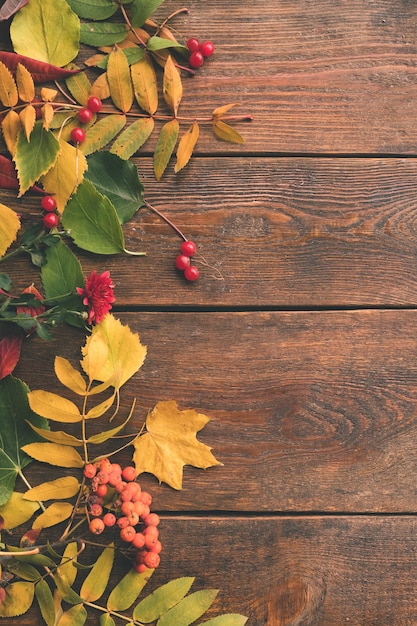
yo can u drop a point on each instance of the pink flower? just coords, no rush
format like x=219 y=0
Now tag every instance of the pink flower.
x=97 y=296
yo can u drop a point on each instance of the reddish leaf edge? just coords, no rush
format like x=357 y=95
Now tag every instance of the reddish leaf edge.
x=41 y=72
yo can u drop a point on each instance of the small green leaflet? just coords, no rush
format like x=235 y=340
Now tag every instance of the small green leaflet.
x=189 y=609
x=96 y=582
x=158 y=43
x=102 y=132
x=102 y=34
x=15 y=432
x=93 y=222
x=45 y=600
x=127 y=590
x=132 y=138
x=142 y=9
x=34 y=158
x=94 y=9
x=162 y=599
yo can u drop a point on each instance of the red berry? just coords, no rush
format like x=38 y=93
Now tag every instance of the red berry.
x=182 y=261
x=193 y=44
x=138 y=540
x=128 y=534
x=191 y=273
x=96 y=510
x=129 y=473
x=101 y=491
x=152 y=559
x=146 y=498
x=94 y=104
x=123 y=522
x=196 y=59
x=48 y=203
x=90 y=470
x=102 y=477
x=50 y=220
x=109 y=519
x=140 y=568
x=207 y=48
x=85 y=115
x=151 y=530
x=152 y=519
x=96 y=526
x=77 y=135
x=188 y=248
x=157 y=547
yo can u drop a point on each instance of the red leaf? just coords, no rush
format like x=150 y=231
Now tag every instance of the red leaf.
x=9 y=354
x=8 y=176
x=10 y=7
x=41 y=72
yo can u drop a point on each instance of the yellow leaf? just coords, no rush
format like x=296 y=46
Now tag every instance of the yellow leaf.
x=67 y=569
x=165 y=146
x=227 y=133
x=79 y=85
x=100 y=88
x=28 y=119
x=223 y=109
x=54 y=514
x=18 y=600
x=100 y=409
x=48 y=95
x=17 y=511
x=53 y=407
x=118 y=76
x=61 y=488
x=145 y=84
x=25 y=84
x=122 y=348
x=96 y=582
x=8 y=88
x=47 y=115
x=172 y=85
x=57 y=436
x=186 y=146
x=11 y=126
x=69 y=376
x=102 y=132
x=170 y=443
x=9 y=226
x=54 y=454
x=66 y=174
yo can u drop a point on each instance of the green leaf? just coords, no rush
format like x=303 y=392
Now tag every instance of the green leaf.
x=228 y=619
x=189 y=609
x=15 y=432
x=102 y=133
x=25 y=571
x=46 y=30
x=102 y=34
x=133 y=138
x=76 y=616
x=158 y=43
x=96 y=582
x=162 y=599
x=127 y=590
x=46 y=602
x=93 y=9
x=118 y=180
x=19 y=598
x=133 y=55
x=107 y=620
x=165 y=146
x=142 y=9
x=34 y=158
x=93 y=222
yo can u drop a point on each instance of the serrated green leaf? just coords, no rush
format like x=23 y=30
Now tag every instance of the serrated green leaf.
x=133 y=138
x=189 y=609
x=93 y=9
x=102 y=33
x=46 y=602
x=46 y=30
x=93 y=222
x=15 y=432
x=102 y=133
x=75 y=616
x=35 y=157
x=127 y=590
x=96 y=582
x=25 y=571
x=162 y=599
x=165 y=146
x=118 y=180
x=142 y=9
x=228 y=619
x=19 y=598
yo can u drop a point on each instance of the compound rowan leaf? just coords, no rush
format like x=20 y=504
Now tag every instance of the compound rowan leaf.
x=63 y=178
x=172 y=86
x=145 y=84
x=54 y=454
x=11 y=126
x=8 y=88
x=170 y=442
x=35 y=157
x=186 y=146
x=120 y=84
x=162 y=599
x=165 y=146
x=17 y=511
x=130 y=140
x=95 y=584
x=54 y=407
x=9 y=353
x=58 y=489
x=25 y=84
x=18 y=600
x=101 y=133
x=124 y=594
x=227 y=133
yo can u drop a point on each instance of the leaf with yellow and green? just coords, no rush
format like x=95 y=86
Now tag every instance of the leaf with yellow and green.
x=57 y=436
x=58 y=489
x=66 y=568
x=78 y=85
x=17 y=510
x=172 y=86
x=27 y=119
x=132 y=138
x=189 y=609
x=186 y=146
x=124 y=594
x=18 y=600
x=35 y=157
x=107 y=620
x=56 y=513
x=170 y=443
x=120 y=84
x=75 y=616
x=95 y=584
x=66 y=174
x=9 y=227
x=145 y=85
x=102 y=132
x=8 y=89
x=69 y=376
x=165 y=146
x=45 y=600
x=54 y=407
x=54 y=454
x=122 y=348
x=10 y=127
x=162 y=599
x=225 y=132
x=25 y=84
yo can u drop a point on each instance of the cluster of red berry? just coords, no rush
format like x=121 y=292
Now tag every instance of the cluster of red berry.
x=183 y=260
x=199 y=51
x=85 y=115
x=115 y=499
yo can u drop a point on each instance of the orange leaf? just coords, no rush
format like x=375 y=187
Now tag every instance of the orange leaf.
x=8 y=88
x=28 y=119
x=227 y=133
x=223 y=109
x=118 y=76
x=145 y=85
x=11 y=126
x=172 y=86
x=47 y=115
x=25 y=84
x=165 y=147
x=100 y=87
x=186 y=146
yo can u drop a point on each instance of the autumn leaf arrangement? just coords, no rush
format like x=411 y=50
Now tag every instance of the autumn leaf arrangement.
x=71 y=123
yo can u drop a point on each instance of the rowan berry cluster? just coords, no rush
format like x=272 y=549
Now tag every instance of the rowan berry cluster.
x=199 y=51
x=183 y=260
x=115 y=499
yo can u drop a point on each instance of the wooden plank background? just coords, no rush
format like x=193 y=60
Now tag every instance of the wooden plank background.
x=299 y=339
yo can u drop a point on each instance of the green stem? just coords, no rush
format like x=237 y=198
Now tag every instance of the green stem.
x=92 y=605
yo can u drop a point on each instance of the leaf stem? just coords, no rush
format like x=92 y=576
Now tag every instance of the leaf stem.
x=166 y=219
x=29 y=486
x=92 y=605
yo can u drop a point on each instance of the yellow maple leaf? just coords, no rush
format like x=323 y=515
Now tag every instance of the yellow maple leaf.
x=170 y=442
